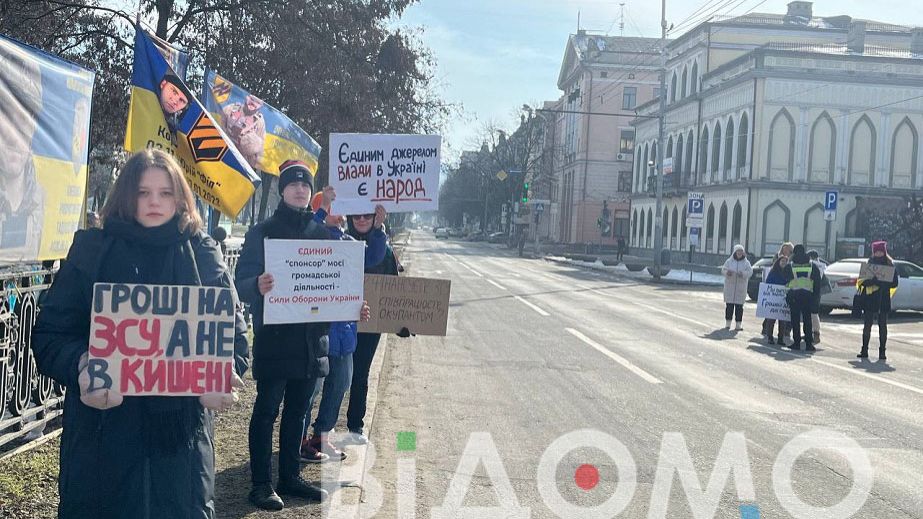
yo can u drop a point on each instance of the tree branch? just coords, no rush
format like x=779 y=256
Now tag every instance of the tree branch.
x=116 y=12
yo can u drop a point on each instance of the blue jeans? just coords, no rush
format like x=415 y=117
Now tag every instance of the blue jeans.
x=334 y=386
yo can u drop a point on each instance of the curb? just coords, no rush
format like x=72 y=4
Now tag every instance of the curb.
x=618 y=275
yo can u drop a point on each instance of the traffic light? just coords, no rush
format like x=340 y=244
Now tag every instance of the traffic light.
x=525 y=192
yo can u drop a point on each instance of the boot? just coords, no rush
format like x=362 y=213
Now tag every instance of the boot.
x=298 y=487
x=264 y=497
x=881 y=354
x=808 y=346
x=863 y=353
x=816 y=337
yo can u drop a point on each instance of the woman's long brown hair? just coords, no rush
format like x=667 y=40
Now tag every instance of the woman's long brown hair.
x=123 y=197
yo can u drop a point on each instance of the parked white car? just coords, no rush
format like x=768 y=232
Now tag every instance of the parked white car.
x=844 y=274
x=441 y=232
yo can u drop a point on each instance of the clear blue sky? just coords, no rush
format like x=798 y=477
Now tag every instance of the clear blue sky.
x=495 y=55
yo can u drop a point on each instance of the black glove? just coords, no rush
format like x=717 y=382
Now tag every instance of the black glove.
x=404 y=333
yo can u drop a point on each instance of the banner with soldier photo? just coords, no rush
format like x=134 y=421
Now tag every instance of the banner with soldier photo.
x=265 y=136
x=44 y=136
x=163 y=114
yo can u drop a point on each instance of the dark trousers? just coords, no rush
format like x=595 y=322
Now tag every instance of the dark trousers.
x=366 y=346
x=882 y=329
x=732 y=310
x=269 y=395
x=770 y=324
x=801 y=314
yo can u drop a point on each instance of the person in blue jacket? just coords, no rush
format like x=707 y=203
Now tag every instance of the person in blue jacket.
x=776 y=277
x=134 y=456
x=317 y=447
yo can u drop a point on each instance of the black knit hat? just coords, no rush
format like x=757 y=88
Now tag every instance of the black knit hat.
x=294 y=171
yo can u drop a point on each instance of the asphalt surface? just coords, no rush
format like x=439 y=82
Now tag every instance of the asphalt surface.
x=537 y=350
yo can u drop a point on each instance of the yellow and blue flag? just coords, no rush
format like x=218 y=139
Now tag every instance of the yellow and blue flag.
x=44 y=141
x=265 y=136
x=165 y=115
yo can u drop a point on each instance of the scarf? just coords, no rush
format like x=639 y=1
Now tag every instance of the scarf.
x=160 y=255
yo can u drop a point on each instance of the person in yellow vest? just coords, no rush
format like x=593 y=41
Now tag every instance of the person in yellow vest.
x=876 y=301
x=803 y=281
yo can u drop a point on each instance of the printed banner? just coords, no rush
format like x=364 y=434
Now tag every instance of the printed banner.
x=315 y=281
x=265 y=136
x=771 y=303
x=161 y=340
x=400 y=172
x=44 y=136
x=882 y=272
x=164 y=115
x=419 y=304
x=176 y=58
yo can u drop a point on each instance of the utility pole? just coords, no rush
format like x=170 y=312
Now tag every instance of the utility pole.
x=658 y=216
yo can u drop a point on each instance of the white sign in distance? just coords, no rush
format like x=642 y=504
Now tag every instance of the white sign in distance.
x=771 y=303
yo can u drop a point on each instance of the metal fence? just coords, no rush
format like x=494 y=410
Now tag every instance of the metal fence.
x=29 y=400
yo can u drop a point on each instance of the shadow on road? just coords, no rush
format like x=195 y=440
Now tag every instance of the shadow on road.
x=721 y=334
x=776 y=353
x=872 y=366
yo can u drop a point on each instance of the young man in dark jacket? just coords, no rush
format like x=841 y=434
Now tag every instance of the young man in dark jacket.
x=287 y=358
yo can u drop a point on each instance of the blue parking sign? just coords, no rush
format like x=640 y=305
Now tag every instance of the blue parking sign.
x=830 y=200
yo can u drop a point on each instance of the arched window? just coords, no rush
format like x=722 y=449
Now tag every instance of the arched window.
x=665 y=223
x=723 y=228
x=690 y=167
x=781 y=165
x=634 y=228
x=673 y=89
x=728 y=149
x=703 y=155
x=715 y=152
x=673 y=225
x=683 y=92
x=904 y=155
x=678 y=162
x=683 y=231
x=636 y=175
x=862 y=153
x=822 y=150
x=650 y=229
x=710 y=228
x=743 y=131
x=642 y=240
x=776 y=219
x=695 y=77
x=815 y=229
x=736 y=222
x=642 y=184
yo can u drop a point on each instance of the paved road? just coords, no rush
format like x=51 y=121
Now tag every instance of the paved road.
x=537 y=350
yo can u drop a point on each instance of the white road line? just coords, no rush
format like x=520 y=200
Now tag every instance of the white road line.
x=855 y=371
x=451 y=257
x=478 y=274
x=621 y=360
x=498 y=285
x=530 y=305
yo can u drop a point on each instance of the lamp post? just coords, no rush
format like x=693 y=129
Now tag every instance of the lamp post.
x=658 y=216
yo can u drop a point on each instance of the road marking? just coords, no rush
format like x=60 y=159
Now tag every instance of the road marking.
x=530 y=305
x=498 y=285
x=621 y=360
x=451 y=257
x=854 y=371
x=471 y=269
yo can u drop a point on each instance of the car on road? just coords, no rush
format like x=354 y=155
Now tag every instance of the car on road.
x=476 y=236
x=496 y=237
x=455 y=232
x=441 y=232
x=753 y=284
x=844 y=274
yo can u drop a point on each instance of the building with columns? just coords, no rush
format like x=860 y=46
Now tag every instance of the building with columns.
x=765 y=113
x=588 y=135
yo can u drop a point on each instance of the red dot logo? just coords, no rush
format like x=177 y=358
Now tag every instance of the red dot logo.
x=586 y=477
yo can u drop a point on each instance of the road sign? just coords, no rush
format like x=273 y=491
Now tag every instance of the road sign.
x=694 y=233
x=501 y=175
x=831 y=198
x=539 y=207
x=695 y=210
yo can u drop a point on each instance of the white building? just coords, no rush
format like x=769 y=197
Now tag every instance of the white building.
x=768 y=112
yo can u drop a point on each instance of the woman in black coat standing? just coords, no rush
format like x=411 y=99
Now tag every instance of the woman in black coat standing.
x=876 y=301
x=130 y=457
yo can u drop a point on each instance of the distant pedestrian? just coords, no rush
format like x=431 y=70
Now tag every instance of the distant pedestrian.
x=876 y=301
x=622 y=246
x=737 y=271
x=803 y=280
x=776 y=277
x=815 y=311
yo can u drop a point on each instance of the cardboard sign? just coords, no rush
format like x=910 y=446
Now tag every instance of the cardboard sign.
x=882 y=272
x=315 y=281
x=400 y=172
x=419 y=304
x=771 y=303
x=162 y=340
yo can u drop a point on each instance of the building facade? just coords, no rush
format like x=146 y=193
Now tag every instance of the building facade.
x=765 y=114
x=588 y=134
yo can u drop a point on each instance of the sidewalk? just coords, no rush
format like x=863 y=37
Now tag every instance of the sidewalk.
x=676 y=277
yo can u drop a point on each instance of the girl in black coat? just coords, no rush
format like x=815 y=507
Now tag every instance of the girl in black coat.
x=129 y=457
x=877 y=301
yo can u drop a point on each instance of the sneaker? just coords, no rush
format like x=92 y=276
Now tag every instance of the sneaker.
x=739 y=327
x=298 y=487
x=312 y=454
x=321 y=443
x=354 y=438
x=265 y=498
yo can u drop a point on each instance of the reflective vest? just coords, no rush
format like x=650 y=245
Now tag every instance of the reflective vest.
x=802 y=280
